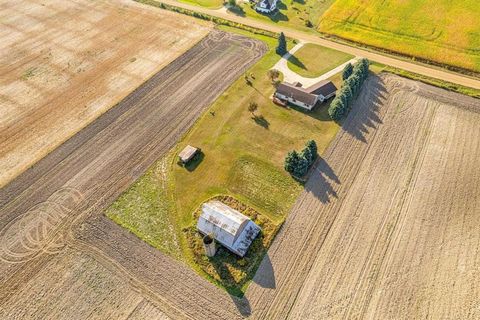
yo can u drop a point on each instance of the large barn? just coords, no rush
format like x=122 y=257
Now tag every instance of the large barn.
x=229 y=227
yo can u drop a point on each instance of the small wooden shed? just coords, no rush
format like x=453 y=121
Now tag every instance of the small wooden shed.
x=188 y=153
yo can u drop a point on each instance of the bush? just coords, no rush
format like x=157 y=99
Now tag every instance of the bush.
x=291 y=161
x=298 y=164
x=302 y=167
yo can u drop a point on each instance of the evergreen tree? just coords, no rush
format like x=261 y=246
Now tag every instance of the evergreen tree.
x=302 y=167
x=312 y=145
x=354 y=83
x=282 y=45
x=291 y=161
x=307 y=154
x=347 y=71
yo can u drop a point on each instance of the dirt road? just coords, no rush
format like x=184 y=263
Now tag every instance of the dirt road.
x=48 y=267
x=303 y=36
x=388 y=227
x=64 y=63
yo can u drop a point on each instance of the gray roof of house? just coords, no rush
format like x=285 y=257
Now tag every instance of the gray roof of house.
x=297 y=93
x=323 y=88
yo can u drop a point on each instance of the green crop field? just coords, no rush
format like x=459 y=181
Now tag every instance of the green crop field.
x=312 y=60
x=443 y=31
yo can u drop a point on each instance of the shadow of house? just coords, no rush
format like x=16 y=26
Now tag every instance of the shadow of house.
x=243 y=305
x=365 y=110
x=265 y=276
x=277 y=16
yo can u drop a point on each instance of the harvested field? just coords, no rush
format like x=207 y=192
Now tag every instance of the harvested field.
x=388 y=228
x=47 y=213
x=64 y=63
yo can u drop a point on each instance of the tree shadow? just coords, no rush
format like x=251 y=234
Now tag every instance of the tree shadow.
x=237 y=10
x=299 y=1
x=261 y=121
x=294 y=60
x=321 y=181
x=364 y=115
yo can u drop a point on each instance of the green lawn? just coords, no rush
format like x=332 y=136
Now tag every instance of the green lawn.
x=439 y=30
x=313 y=60
x=291 y=13
x=211 y=4
x=242 y=157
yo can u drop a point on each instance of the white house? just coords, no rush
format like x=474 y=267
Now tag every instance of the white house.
x=305 y=98
x=229 y=227
x=266 y=6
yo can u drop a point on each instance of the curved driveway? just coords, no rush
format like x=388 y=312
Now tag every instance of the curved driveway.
x=306 y=37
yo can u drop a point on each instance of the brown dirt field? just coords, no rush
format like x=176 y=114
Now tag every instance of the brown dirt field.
x=47 y=213
x=388 y=228
x=64 y=63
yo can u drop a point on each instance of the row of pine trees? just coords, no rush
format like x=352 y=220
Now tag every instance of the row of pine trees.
x=353 y=78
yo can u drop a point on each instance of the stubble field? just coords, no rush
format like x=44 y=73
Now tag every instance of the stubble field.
x=64 y=63
x=60 y=258
x=388 y=227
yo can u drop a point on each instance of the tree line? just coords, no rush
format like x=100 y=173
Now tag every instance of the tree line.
x=297 y=164
x=353 y=78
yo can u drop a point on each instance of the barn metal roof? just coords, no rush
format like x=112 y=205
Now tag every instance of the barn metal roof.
x=232 y=229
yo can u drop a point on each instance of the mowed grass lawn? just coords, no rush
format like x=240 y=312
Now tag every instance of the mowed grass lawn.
x=312 y=60
x=211 y=4
x=242 y=157
x=444 y=31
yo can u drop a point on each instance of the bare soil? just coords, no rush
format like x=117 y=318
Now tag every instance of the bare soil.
x=388 y=227
x=59 y=256
x=64 y=63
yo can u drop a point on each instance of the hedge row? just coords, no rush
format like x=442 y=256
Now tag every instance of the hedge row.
x=353 y=81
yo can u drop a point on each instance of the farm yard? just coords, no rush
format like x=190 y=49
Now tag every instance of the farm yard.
x=64 y=63
x=387 y=228
x=46 y=212
x=238 y=159
x=444 y=31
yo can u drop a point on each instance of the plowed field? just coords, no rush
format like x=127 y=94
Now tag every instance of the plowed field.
x=64 y=63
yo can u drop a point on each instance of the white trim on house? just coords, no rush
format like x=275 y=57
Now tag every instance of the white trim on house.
x=266 y=6
x=296 y=102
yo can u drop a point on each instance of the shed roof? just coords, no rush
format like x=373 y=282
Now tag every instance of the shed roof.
x=232 y=229
x=187 y=153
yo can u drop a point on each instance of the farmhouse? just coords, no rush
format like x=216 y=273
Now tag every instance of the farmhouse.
x=305 y=98
x=266 y=6
x=229 y=227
